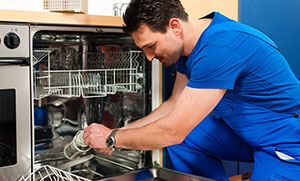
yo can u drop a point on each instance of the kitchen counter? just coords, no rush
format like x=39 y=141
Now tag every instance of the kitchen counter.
x=35 y=17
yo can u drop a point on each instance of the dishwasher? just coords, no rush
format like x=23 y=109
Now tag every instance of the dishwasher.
x=83 y=75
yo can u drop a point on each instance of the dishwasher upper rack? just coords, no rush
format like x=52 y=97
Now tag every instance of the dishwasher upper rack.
x=105 y=73
x=49 y=173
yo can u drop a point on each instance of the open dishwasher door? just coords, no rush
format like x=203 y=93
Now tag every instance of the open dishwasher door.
x=156 y=174
x=150 y=174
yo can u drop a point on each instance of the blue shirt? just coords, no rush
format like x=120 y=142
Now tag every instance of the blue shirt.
x=251 y=69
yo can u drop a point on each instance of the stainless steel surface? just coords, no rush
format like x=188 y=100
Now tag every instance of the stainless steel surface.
x=14 y=51
x=115 y=163
x=75 y=162
x=17 y=77
x=76 y=29
x=156 y=173
x=22 y=31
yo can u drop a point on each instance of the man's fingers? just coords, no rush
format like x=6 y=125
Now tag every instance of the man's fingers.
x=104 y=150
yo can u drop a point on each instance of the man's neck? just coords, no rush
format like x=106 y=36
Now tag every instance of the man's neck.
x=192 y=32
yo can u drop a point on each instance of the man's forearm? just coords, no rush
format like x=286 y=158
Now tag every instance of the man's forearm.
x=173 y=128
x=154 y=135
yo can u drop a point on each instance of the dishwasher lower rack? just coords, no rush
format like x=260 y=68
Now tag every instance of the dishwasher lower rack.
x=49 y=173
x=105 y=73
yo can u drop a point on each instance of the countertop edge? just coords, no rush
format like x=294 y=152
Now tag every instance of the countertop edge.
x=38 y=17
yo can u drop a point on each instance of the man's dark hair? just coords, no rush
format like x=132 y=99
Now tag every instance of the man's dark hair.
x=155 y=13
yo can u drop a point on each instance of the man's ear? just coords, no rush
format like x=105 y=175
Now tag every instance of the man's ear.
x=175 y=25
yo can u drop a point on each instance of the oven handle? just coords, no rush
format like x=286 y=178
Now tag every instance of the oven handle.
x=21 y=61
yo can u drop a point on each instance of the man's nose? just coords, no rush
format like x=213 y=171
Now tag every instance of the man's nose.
x=150 y=55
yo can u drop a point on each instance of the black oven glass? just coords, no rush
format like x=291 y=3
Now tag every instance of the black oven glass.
x=8 y=133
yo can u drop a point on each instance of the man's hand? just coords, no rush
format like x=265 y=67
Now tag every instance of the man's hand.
x=95 y=136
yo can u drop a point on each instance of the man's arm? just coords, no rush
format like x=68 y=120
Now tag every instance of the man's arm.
x=192 y=107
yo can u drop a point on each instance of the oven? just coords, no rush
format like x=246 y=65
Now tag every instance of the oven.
x=15 y=104
x=56 y=80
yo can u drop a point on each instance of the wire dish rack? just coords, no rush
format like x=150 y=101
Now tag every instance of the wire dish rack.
x=105 y=73
x=40 y=54
x=49 y=173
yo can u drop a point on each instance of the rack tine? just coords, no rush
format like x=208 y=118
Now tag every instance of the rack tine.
x=48 y=172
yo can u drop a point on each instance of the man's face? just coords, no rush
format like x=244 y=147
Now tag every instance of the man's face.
x=166 y=47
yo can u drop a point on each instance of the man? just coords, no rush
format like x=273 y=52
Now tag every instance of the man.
x=234 y=97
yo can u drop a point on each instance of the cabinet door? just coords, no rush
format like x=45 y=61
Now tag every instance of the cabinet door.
x=280 y=21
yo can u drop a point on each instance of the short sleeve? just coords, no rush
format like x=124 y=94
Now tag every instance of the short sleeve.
x=181 y=65
x=215 y=66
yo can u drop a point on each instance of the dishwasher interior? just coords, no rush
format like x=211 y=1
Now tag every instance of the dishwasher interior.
x=81 y=78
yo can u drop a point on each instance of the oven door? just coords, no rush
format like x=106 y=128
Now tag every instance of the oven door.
x=15 y=124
